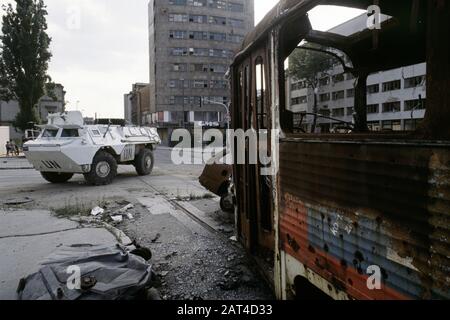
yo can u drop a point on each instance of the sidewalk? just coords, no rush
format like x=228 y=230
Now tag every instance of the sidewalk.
x=28 y=237
x=14 y=163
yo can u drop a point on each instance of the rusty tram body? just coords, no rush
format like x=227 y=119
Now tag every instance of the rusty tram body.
x=341 y=203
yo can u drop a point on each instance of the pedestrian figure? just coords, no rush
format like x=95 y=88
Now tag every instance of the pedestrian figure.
x=12 y=148
x=8 y=148
x=16 y=150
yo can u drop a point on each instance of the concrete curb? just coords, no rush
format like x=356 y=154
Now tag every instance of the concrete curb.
x=20 y=168
x=120 y=236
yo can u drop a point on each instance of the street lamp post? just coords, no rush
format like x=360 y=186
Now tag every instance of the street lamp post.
x=227 y=108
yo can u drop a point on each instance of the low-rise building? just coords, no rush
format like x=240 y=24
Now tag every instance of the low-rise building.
x=137 y=104
x=46 y=105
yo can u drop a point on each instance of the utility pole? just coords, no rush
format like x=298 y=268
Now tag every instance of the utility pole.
x=227 y=108
x=184 y=117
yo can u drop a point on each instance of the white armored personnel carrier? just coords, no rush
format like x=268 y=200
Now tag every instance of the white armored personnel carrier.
x=66 y=146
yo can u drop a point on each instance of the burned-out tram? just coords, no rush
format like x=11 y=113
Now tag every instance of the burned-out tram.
x=344 y=207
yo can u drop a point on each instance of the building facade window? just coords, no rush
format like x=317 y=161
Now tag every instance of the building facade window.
x=391 y=107
x=218 y=20
x=235 y=7
x=324 y=97
x=339 y=112
x=198 y=35
x=218 y=4
x=350 y=93
x=298 y=85
x=338 y=95
x=415 y=105
x=197 y=18
x=392 y=125
x=350 y=111
x=338 y=78
x=178 y=51
x=235 y=38
x=373 y=108
x=374 y=88
x=177 y=34
x=175 y=17
x=179 y=67
x=299 y=100
x=217 y=36
x=218 y=68
x=324 y=81
x=236 y=23
x=414 y=82
x=219 y=84
x=392 y=85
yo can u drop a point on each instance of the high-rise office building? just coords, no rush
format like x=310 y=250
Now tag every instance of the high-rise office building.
x=192 y=44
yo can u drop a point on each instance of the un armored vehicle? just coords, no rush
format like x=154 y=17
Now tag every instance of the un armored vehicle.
x=66 y=146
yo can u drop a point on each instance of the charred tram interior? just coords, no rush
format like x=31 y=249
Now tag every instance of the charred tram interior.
x=343 y=202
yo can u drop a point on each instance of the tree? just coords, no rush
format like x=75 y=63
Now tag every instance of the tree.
x=309 y=64
x=24 y=58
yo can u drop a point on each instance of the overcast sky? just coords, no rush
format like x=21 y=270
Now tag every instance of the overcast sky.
x=100 y=48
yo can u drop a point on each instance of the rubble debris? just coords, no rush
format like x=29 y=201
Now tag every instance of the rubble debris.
x=117 y=218
x=164 y=273
x=233 y=238
x=130 y=216
x=126 y=208
x=96 y=211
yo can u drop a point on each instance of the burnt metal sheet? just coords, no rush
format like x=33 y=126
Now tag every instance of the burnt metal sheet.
x=346 y=206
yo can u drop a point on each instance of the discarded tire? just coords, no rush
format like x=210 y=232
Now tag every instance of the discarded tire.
x=103 y=169
x=144 y=162
x=55 y=177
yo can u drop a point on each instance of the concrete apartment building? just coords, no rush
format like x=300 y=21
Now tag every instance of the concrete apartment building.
x=396 y=98
x=46 y=105
x=137 y=104
x=192 y=44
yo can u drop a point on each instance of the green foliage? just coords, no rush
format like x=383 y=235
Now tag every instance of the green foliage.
x=24 y=57
x=307 y=64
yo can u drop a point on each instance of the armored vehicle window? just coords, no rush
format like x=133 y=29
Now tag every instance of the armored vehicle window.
x=70 y=133
x=50 y=133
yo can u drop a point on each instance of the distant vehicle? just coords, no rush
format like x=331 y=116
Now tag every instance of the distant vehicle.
x=66 y=147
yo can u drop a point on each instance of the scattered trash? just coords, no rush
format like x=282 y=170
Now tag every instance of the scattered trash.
x=164 y=273
x=126 y=208
x=17 y=201
x=130 y=216
x=96 y=211
x=117 y=218
x=156 y=238
x=233 y=238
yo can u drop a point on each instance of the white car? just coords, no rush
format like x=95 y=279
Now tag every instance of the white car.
x=66 y=147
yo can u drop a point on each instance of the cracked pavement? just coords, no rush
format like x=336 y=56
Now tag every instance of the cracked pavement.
x=173 y=216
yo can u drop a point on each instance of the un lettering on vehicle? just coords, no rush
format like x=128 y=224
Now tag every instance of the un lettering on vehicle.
x=128 y=153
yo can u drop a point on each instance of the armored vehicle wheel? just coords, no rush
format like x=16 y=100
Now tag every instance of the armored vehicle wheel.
x=55 y=177
x=103 y=169
x=144 y=162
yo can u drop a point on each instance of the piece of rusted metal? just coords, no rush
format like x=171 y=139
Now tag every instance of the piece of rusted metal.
x=216 y=178
x=346 y=206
